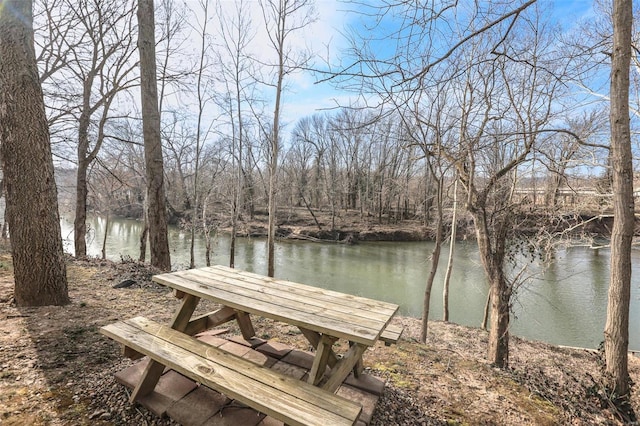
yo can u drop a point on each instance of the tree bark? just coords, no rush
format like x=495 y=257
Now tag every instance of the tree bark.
x=452 y=246
x=84 y=159
x=485 y=312
x=80 y=220
x=616 y=333
x=492 y=257
x=158 y=240
x=106 y=234
x=27 y=164
x=275 y=149
x=144 y=235
x=435 y=259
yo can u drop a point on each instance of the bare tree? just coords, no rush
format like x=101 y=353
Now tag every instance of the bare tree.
x=282 y=18
x=171 y=76
x=510 y=78
x=237 y=76
x=202 y=99
x=157 y=216
x=616 y=333
x=452 y=246
x=437 y=247
x=86 y=65
x=431 y=132
x=27 y=165
x=122 y=161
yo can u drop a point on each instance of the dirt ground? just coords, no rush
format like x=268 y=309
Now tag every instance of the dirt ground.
x=56 y=369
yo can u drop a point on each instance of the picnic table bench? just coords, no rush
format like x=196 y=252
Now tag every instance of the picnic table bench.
x=323 y=317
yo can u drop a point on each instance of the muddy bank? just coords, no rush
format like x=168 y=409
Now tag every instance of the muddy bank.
x=351 y=228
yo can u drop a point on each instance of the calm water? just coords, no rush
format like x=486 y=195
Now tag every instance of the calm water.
x=564 y=305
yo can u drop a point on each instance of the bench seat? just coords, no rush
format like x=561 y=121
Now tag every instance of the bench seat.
x=391 y=334
x=292 y=401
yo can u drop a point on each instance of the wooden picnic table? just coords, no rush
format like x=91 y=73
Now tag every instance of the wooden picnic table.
x=323 y=316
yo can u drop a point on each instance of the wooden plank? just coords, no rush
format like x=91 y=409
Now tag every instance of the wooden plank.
x=314 y=338
x=161 y=342
x=359 y=367
x=336 y=304
x=224 y=358
x=246 y=327
x=184 y=313
x=210 y=320
x=264 y=294
x=293 y=295
x=374 y=308
x=154 y=369
x=310 y=291
x=282 y=290
x=323 y=351
x=149 y=379
x=309 y=320
x=322 y=317
x=282 y=397
x=344 y=367
x=391 y=334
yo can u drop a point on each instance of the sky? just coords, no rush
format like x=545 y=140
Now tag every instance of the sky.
x=303 y=96
x=327 y=37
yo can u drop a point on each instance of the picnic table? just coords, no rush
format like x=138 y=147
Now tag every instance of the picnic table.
x=323 y=317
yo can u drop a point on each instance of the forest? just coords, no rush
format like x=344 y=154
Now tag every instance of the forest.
x=379 y=159
x=194 y=113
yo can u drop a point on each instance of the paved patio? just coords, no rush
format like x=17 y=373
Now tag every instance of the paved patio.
x=191 y=404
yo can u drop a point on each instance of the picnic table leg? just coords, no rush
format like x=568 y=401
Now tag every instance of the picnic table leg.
x=344 y=367
x=246 y=327
x=314 y=338
x=154 y=369
x=359 y=366
x=323 y=351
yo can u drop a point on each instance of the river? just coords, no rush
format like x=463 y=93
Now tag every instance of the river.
x=565 y=304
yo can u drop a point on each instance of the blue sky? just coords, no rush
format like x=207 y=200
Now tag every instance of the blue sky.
x=326 y=36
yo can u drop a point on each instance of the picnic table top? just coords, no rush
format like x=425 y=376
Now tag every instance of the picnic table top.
x=357 y=319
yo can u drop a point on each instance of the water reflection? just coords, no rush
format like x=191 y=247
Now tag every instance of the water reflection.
x=564 y=305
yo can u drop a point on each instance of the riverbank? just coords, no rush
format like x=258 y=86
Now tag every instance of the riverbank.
x=56 y=369
x=353 y=226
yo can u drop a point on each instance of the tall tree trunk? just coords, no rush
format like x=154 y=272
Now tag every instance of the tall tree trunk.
x=235 y=204
x=158 y=240
x=492 y=258
x=80 y=220
x=84 y=160
x=435 y=259
x=27 y=165
x=207 y=232
x=238 y=189
x=498 y=353
x=616 y=333
x=485 y=312
x=273 y=163
x=452 y=246
x=107 y=224
x=248 y=203
x=271 y=238
x=144 y=235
